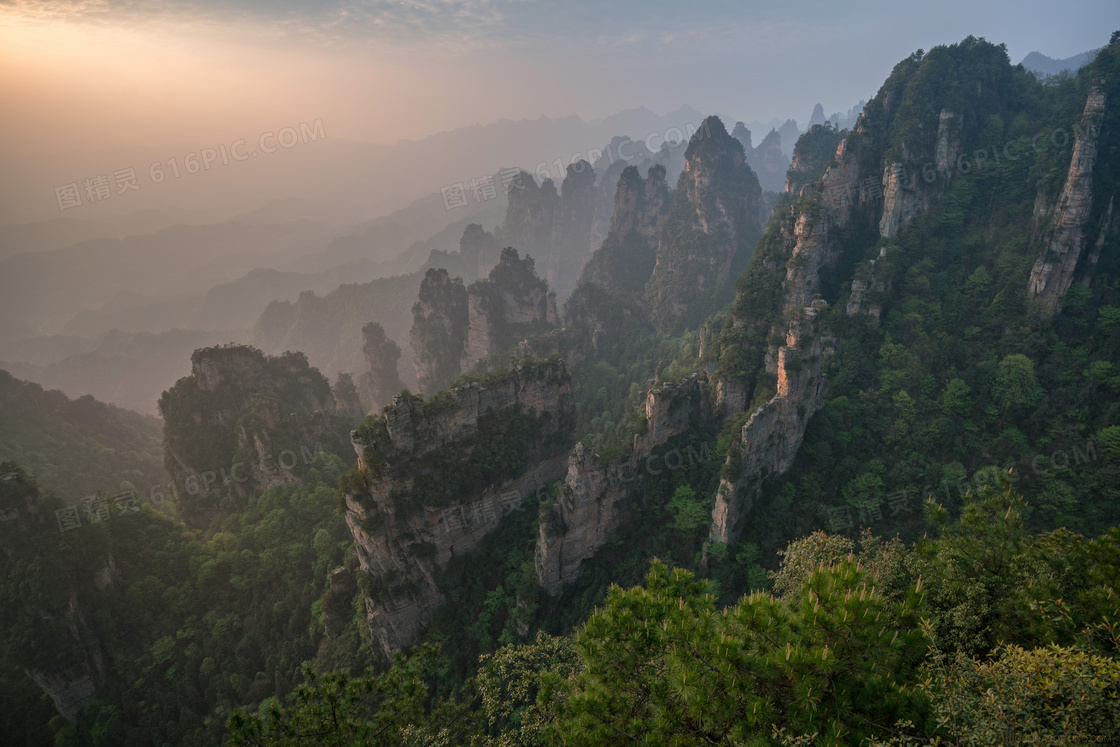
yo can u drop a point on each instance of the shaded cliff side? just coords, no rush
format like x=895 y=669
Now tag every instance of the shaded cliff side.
x=900 y=158
x=47 y=574
x=244 y=420
x=597 y=495
x=455 y=328
x=1065 y=242
x=437 y=475
x=709 y=232
x=381 y=382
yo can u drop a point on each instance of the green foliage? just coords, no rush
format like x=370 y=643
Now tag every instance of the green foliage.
x=1051 y=695
x=335 y=709
x=661 y=664
x=516 y=683
x=77 y=447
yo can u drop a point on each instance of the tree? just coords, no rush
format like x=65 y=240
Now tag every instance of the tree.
x=661 y=665
x=1015 y=385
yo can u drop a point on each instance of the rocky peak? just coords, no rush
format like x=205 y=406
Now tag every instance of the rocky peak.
x=531 y=215
x=226 y=424
x=455 y=328
x=811 y=156
x=347 y=398
x=769 y=161
x=709 y=233
x=817 y=117
x=381 y=381
x=639 y=204
x=479 y=249
x=439 y=326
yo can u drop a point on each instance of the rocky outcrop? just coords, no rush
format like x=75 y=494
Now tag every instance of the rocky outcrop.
x=229 y=425
x=505 y=308
x=907 y=196
x=626 y=259
x=454 y=328
x=865 y=286
x=555 y=228
x=381 y=382
x=811 y=156
x=436 y=476
x=595 y=498
x=709 y=233
x=1064 y=243
x=479 y=249
x=439 y=324
x=769 y=440
x=767 y=161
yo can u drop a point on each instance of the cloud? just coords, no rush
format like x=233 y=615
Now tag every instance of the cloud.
x=450 y=25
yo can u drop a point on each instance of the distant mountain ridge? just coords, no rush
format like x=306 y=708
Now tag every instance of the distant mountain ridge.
x=1040 y=63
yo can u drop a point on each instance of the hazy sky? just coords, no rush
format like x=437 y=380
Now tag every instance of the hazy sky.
x=95 y=74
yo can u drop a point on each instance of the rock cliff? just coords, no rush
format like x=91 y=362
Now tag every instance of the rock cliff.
x=381 y=382
x=769 y=440
x=900 y=157
x=1064 y=243
x=709 y=233
x=555 y=228
x=244 y=420
x=454 y=329
x=436 y=476
x=625 y=261
x=811 y=156
x=594 y=500
x=439 y=330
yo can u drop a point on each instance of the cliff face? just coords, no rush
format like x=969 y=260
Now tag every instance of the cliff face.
x=625 y=261
x=811 y=156
x=771 y=350
x=594 y=500
x=229 y=425
x=439 y=326
x=555 y=228
x=905 y=195
x=436 y=476
x=381 y=381
x=709 y=233
x=1064 y=243
x=771 y=437
x=801 y=246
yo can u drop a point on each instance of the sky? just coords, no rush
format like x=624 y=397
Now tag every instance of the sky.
x=81 y=75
